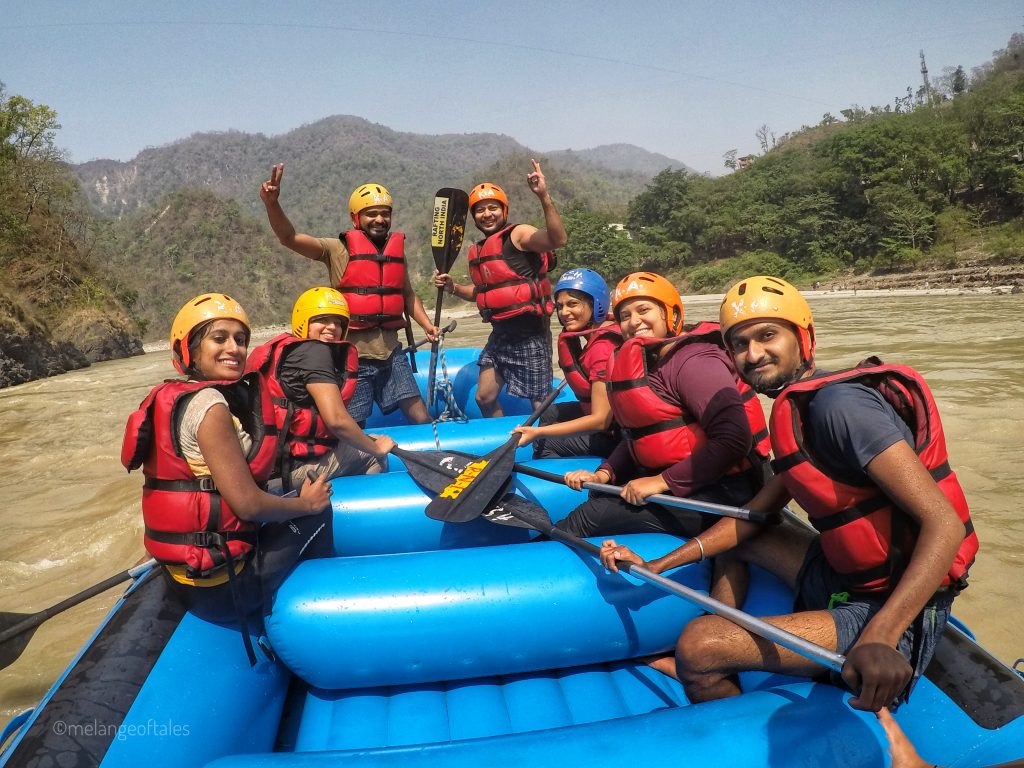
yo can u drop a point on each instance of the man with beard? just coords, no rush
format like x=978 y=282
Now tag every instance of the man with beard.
x=367 y=264
x=509 y=269
x=862 y=451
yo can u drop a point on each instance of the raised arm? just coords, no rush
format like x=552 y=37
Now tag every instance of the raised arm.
x=270 y=192
x=529 y=238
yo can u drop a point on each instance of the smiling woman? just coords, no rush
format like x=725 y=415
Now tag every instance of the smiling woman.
x=585 y=346
x=205 y=445
x=688 y=429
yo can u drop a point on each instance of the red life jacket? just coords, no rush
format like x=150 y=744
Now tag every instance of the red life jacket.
x=660 y=433
x=577 y=361
x=865 y=538
x=303 y=435
x=374 y=280
x=187 y=522
x=501 y=292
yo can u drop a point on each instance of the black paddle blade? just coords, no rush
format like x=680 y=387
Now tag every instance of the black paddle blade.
x=518 y=512
x=465 y=497
x=434 y=470
x=448 y=226
x=12 y=647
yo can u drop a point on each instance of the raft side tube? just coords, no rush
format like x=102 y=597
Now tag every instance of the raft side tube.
x=82 y=713
x=201 y=701
x=437 y=616
x=383 y=514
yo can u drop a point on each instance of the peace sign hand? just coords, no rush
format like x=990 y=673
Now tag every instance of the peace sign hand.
x=270 y=190
x=538 y=185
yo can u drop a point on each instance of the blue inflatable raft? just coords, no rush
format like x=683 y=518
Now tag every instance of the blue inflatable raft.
x=424 y=643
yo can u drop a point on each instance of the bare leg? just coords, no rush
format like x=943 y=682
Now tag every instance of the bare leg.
x=665 y=664
x=712 y=650
x=488 y=386
x=415 y=410
x=730 y=578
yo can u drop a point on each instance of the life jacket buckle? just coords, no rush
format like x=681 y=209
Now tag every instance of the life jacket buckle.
x=208 y=539
x=207 y=485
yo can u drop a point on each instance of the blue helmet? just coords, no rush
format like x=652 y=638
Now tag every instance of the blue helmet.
x=590 y=283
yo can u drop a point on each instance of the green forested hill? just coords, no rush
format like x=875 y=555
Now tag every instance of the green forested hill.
x=882 y=189
x=325 y=160
x=100 y=252
x=187 y=218
x=195 y=241
x=57 y=312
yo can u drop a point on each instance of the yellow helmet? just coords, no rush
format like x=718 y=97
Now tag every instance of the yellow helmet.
x=652 y=286
x=768 y=298
x=199 y=311
x=314 y=303
x=367 y=196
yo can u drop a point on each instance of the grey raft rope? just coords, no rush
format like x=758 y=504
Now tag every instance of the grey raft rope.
x=444 y=391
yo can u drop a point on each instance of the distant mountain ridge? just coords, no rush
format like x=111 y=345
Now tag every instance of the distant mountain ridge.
x=324 y=160
x=625 y=158
x=189 y=218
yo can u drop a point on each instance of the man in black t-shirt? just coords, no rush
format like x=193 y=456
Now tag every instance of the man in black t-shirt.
x=862 y=451
x=509 y=271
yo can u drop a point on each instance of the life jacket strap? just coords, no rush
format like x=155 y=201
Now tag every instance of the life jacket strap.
x=202 y=539
x=198 y=484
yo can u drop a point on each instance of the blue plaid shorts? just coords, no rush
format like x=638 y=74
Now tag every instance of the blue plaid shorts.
x=524 y=363
x=386 y=382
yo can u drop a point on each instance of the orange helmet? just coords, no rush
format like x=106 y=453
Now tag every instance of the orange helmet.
x=648 y=285
x=488 y=191
x=768 y=298
x=199 y=311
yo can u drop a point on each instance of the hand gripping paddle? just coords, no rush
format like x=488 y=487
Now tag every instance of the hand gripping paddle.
x=447 y=228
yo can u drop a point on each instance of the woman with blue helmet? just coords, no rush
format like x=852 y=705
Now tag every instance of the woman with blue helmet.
x=585 y=345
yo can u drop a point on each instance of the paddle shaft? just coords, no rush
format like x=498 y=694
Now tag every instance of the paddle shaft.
x=35 y=619
x=417 y=344
x=433 y=349
x=757 y=626
x=740 y=513
x=410 y=340
x=451 y=206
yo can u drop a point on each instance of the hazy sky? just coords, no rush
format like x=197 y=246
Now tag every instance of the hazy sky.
x=691 y=80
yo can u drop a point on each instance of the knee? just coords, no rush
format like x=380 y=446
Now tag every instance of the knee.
x=575 y=523
x=697 y=650
x=486 y=396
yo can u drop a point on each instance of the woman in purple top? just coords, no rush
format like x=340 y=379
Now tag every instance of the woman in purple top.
x=686 y=429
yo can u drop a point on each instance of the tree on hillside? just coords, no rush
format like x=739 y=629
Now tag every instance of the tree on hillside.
x=650 y=211
x=29 y=157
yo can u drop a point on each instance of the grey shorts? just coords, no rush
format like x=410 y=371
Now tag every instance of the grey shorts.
x=386 y=382
x=818 y=585
x=343 y=461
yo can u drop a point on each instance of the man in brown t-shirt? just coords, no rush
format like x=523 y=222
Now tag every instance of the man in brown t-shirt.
x=384 y=372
